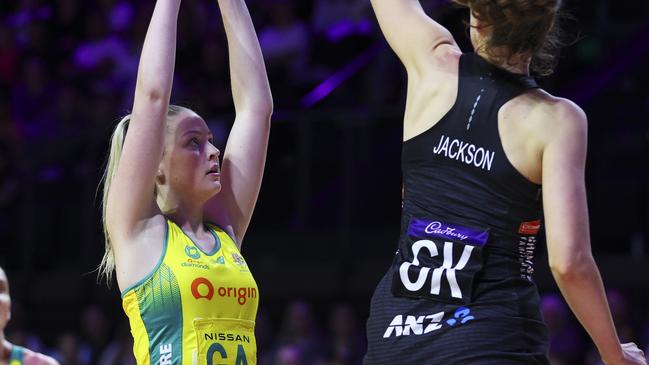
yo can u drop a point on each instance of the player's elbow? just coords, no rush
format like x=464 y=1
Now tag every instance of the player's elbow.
x=152 y=91
x=261 y=112
x=154 y=96
x=265 y=109
x=259 y=104
x=573 y=267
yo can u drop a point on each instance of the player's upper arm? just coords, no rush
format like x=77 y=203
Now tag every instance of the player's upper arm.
x=131 y=196
x=242 y=172
x=564 y=191
x=411 y=33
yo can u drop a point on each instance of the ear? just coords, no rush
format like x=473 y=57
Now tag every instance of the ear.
x=8 y=316
x=160 y=176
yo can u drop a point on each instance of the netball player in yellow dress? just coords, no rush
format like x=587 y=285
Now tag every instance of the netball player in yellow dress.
x=175 y=217
x=11 y=354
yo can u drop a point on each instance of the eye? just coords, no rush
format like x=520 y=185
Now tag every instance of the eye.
x=194 y=142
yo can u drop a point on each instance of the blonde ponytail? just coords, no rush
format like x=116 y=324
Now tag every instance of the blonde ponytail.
x=107 y=266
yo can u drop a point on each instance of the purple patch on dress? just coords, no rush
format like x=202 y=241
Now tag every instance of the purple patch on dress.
x=434 y=228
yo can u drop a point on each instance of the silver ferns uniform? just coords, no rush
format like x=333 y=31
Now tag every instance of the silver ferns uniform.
x=459 y=290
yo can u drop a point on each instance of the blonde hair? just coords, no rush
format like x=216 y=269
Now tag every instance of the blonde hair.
x=107 y=266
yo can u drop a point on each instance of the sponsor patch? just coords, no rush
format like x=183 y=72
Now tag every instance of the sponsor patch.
x=423 y=228
x=418 y=325
x=225 y=341
x=531 y=227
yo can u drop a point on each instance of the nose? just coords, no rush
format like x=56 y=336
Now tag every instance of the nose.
x=214 y=153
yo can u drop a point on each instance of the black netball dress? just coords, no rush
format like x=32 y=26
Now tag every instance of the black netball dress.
x=459 y=290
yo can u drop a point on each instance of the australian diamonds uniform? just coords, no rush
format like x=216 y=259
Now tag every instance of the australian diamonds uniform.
x=195 y=307
x=17 y=355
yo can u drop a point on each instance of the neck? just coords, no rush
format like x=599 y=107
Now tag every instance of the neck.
x=517 y=63
x=188 y=218
x=188 y=215
x=188 y=222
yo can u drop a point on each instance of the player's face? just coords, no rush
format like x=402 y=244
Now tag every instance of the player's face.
x=191 y=162
x=5 y=300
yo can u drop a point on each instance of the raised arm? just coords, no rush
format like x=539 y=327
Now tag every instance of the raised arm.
x=130 y=198
x=411 y=33
x=245 y=153
x=568 y=239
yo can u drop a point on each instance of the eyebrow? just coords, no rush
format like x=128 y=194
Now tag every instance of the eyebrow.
x=195 y=131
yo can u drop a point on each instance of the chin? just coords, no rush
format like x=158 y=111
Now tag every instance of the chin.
x=215 y=188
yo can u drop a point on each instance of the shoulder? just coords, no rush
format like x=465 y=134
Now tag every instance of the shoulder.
x=554 y=118
x=560 y=108
x=35 y=358
x=567 y=122
x=139 y=253
x=145 y=229
x=565 y=110
x=542 y=101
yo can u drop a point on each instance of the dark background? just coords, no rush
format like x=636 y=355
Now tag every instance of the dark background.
x=326 y=223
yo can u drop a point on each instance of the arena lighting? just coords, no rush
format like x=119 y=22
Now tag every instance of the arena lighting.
x=339 y=77
x=598 y=78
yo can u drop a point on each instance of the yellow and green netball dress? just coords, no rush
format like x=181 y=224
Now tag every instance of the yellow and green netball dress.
x=17 y=355
x=195 y=307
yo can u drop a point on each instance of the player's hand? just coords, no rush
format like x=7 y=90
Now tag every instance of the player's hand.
x=631 y=355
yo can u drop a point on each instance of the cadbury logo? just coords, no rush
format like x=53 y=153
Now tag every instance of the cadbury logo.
x=438 y=228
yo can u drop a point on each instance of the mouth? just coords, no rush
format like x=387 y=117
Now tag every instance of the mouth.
x=214 y=171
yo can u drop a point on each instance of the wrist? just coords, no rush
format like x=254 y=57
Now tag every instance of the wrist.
x=613 y=356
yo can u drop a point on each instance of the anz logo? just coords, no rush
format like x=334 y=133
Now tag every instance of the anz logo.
x=414 y=325
x=406 y=325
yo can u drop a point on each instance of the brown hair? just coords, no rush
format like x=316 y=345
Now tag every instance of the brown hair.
x=522 y=26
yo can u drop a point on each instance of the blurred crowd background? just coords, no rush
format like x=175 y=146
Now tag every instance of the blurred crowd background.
x=326 y=224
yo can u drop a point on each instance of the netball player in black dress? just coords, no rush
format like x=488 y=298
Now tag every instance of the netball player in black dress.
x=486 y=155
